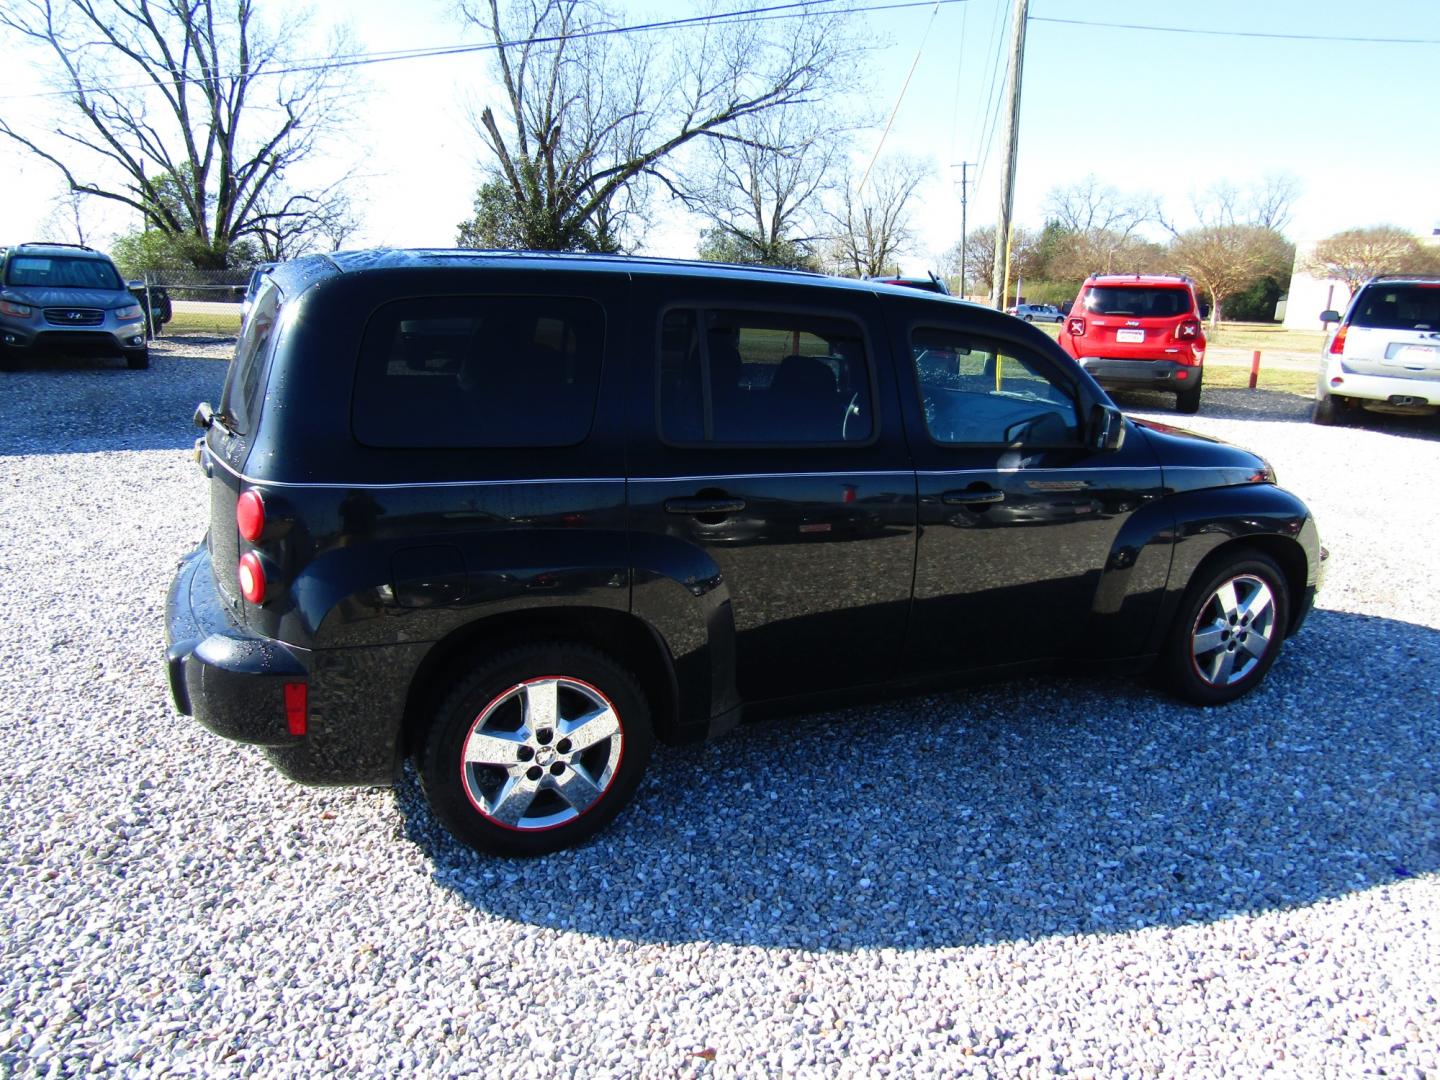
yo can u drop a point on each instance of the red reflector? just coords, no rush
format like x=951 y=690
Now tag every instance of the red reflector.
x=297 y=701
x=1337 y=381
x=1182 y=374
x=1337 y=343
x=250 y=515
x=251 y=573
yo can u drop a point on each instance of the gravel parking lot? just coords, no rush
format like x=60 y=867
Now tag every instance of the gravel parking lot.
x=1069 y=876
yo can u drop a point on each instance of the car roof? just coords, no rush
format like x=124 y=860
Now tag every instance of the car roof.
x=1404 y=279
x=354 y=262
x=1137 y=279
x=46 y=247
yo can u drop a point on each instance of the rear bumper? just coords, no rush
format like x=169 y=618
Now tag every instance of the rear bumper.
x=1378 y=388
x=230 y=680
x=233 y=682
x=1157 y=374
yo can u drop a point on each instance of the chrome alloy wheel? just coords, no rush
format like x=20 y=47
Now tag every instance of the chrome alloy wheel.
x=1234 y=630
x=541 y=753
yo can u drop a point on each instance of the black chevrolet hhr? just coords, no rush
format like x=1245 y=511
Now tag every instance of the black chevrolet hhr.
x=520 y=515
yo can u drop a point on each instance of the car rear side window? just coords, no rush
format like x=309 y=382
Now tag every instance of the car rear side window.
x=1399 y=307
x=1140 y=301
x=244 y=392
x=479 y=372
x=763 y=378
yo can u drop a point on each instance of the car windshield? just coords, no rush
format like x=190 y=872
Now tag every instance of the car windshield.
x=61 y=272
x=1144 y=301
x=1399 y=307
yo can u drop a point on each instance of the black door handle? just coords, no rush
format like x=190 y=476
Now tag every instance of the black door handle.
x=972 y=498
x=704 y=506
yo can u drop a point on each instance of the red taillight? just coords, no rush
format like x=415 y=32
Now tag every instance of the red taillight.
x=251 y=573
x=1337 y=343
x=1188 y=328
x=1075 y=326
x=297 y=700
x=250 y=515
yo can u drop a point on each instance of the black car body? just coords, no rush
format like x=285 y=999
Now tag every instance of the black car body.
x=464 y=491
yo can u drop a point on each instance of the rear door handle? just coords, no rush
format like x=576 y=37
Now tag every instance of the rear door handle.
x=704 y=506
x=972 y=498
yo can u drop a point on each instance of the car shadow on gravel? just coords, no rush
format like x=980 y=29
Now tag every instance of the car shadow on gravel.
x=79 y=406
x=1038 y=808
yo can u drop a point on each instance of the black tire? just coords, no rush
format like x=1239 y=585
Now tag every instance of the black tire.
x=493 y=703
x=1195 y=671
x=136 y=359
x=1188 y=401
x=1333 y=409
x=1029 y=318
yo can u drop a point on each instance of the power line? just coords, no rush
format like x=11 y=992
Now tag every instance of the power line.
x=899 y=98
x=1241 y=33
x=366 y=59
x=984 y=107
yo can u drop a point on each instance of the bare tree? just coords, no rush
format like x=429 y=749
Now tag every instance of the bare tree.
x=1103 y=225
x=177 y=109
x=588 y=117
x=872 y=223
x=299 y=224
x=66 y=218
x=762 y=191
x=1265 y=203
x=980 y=255
x=1356 y=255
x=1224 y=259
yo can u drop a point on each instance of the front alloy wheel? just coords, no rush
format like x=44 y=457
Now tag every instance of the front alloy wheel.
x=1233 y=631
x=1229 y=628
x=537 y=749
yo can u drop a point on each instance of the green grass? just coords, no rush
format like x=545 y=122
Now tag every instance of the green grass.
x=189 y=322
x=1287 y=381
x=1264 y=336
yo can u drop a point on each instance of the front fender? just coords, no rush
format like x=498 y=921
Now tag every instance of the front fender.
x=1160 y=549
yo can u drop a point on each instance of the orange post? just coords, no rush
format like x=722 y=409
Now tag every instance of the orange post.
x=1254 y=368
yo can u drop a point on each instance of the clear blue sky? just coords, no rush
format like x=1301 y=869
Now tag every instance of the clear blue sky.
x=1143 y=110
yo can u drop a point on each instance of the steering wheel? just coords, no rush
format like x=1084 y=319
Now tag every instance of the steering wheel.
x=850 y=410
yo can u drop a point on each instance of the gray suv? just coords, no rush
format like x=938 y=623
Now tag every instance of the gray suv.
x=66 y=298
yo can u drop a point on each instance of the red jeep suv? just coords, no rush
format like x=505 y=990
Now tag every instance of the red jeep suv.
x=1139 y=330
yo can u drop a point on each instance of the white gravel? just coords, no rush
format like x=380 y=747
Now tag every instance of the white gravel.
x=1056 y=876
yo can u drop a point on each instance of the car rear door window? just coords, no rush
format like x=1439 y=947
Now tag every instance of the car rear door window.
x=975 y=391
x=763 y=378
x=479 y=372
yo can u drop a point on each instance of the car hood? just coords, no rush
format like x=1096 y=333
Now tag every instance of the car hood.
x=96 y=298
x=1191 y=461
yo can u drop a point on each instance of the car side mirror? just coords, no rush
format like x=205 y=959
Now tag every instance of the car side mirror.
x=133 y=285
x=1107 y=428
x=1204 y=311
x=1329 y=316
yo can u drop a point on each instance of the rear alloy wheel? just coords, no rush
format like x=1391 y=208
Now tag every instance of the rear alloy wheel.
x=537 y=749
x=1229 y=629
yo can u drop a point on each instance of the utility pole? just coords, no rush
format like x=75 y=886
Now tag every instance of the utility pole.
x=1012 y=142
x=964 y=167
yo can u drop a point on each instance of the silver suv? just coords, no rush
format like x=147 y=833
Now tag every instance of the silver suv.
x=1384 y=355
x=66 y=298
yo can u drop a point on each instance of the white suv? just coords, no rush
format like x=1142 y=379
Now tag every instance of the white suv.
x=1384 y=355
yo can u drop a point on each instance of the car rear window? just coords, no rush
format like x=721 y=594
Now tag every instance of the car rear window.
x=475 y=372
x=1398 y=307
x=1141 y=301
x=58 y=272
